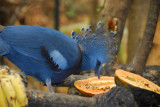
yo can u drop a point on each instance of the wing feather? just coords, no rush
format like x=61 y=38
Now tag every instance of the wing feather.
x=29 y=40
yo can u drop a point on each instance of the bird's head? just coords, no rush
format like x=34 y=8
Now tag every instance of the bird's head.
x=93 y=59
x=95 y=47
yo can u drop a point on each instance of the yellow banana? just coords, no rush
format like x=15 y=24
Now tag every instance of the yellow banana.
x=12 y=89
x=3 y=71
x=3 y=101
x=8 y=90
x=4 y=76
x=16 y=104
x=19 y=89
x=18 y=75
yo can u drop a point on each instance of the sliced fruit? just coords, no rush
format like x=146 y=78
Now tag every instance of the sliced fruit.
x=144 y=90
x=93 y=86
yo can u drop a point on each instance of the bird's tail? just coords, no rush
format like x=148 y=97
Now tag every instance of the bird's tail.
x=4 y=48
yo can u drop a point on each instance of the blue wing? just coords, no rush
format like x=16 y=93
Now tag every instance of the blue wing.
x=29 y=40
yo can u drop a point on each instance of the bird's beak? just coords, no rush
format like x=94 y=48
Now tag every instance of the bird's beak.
x=98 y=72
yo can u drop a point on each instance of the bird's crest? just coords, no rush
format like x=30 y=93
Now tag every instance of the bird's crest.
x=98 y=40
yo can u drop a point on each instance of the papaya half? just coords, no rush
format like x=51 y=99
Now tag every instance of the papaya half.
x=143 y=90
x=92 y=86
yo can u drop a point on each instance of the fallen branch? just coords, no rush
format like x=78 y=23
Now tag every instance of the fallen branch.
x=69 y=82
x=117 y=97
x=152 y=73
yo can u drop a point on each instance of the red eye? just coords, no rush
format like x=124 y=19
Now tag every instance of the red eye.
x=98 y=63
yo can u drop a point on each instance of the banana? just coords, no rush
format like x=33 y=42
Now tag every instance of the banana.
x=4 y=76
x=19 y=89
x=12 y=89
x=18 y=75
x=3 y=101
x=16 y=104
x=3 y=71
x=8 y=90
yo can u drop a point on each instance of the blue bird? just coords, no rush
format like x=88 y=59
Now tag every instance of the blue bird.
x=51 y=56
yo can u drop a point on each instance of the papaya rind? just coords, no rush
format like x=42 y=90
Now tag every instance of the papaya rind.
x=141 y=95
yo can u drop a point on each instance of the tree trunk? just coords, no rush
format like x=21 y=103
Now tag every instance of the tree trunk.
x=140 y=59
x=118 y=9
x=136 y=24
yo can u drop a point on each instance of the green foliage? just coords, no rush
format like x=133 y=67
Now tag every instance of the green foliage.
x=99 y=8
x=70 y=13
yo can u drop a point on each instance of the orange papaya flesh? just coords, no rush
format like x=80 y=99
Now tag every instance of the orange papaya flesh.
x=143 y=90
x=92 y=86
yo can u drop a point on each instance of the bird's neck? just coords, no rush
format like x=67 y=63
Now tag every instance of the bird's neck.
x=77 y=67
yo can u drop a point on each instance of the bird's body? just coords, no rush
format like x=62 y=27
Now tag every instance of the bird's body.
x=47 y=54
x=25 y=50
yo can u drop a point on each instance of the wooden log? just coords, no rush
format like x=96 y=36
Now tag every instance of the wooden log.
x=142 y=96
x=116 y=97
x=69 y=82
x=151 y=73
x=46 y=99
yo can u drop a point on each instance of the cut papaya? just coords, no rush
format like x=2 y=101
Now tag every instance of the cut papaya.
x=93 y=86
x=144 y=90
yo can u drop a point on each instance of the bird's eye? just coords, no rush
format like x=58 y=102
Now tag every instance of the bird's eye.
x=98 y=63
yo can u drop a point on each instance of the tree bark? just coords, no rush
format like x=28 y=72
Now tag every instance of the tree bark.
x=136 y=24
x=118 y=9
x=93 y=13
x=56 y=14
x=152 y=73
x=46 y=99
x=140 y=59
x=117 y=97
